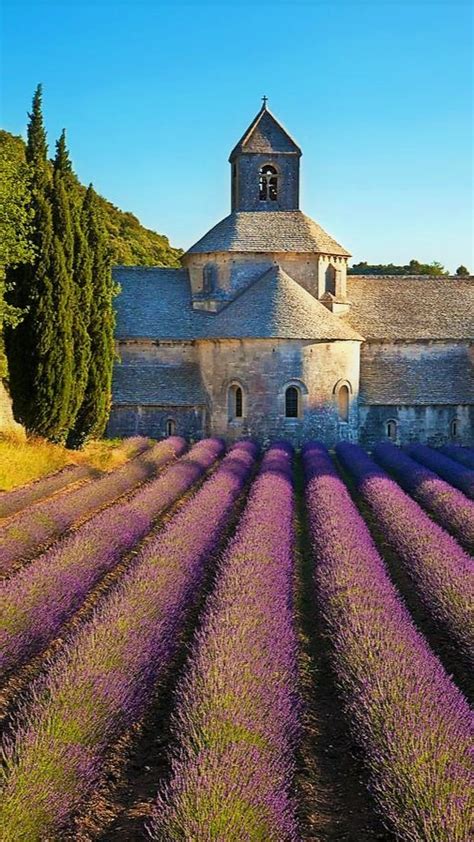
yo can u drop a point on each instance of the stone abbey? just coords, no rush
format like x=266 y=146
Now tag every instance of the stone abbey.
x=262 y=333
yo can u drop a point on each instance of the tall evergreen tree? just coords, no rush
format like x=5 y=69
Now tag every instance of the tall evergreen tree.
x=29 y=285
x=94 y=412
x=82 y=275
x=40 y=349
x=70 y=224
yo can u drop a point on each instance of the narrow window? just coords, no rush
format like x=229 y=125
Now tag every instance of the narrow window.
x=170 y=427
x=209 y=278
x=268 y=184
x=343 y=403
x=392 y=430
x=236 y=402
x=291 y=402
x=454 y=427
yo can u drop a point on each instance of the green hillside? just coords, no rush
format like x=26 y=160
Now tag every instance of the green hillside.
x=131 y=243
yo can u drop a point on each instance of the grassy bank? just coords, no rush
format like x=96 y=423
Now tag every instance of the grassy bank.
x=22 y=461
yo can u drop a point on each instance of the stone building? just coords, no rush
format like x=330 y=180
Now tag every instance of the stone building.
x=263 y=334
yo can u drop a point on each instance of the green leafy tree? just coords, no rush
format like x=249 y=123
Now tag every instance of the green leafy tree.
x=462 y=271
x=414 y=267
x=94 y=412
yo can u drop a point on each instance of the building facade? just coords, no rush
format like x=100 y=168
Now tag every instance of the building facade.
x=262 y=333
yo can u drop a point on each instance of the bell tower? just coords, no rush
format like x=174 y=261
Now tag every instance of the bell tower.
x=265 y=167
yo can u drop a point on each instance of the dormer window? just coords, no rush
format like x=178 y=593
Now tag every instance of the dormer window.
x=268 y=184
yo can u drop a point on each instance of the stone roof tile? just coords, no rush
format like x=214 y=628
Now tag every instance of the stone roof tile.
x=273 y=231
x=276 y=306
x=158 y=385
x=156 y=304
x=265 y=134
x=411 y=308
x=400 y=380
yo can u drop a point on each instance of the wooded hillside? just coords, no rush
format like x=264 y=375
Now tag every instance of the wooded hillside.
x=131 y=243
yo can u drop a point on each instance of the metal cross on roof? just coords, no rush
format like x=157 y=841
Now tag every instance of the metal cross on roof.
x=265 y=100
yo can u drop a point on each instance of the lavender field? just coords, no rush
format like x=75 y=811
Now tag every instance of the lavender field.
x=223 y=643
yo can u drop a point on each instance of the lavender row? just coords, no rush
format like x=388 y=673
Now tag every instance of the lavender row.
x=450 y=507
x=237 y=709
x=413 y=725
x=465 y=455
x=33 y=528
x=441 y=571
x=103 y=683
x=35 y=603
x=452 y=471
x=12 y=502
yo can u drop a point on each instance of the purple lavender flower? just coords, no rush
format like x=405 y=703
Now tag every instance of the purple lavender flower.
x=14 y=501
x=104 y=679
x=36 y=602
x=413 y=725
x=450 y=507
x=24 y=536
x=441 y=571
x=452 y=471
x=238 y=708
x=465 y=455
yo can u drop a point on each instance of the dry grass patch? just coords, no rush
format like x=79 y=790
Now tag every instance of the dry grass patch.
x=24 y=460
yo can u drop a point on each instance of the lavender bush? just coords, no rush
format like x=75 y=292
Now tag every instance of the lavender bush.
x=441 y=571
x=413 y=725
x=12 y=502
x=36 y=602
x=237 y=714
x=103 y=683
x=465 y=455
x=452 y=471
x=449 y=506
x=31 y=529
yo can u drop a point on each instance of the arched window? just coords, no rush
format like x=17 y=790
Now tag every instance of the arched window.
x=343 y=402
x=292 y=400
x=268 y=184
x=392 y=430
x=236 y=402
x=170 y=427
x=454 y=427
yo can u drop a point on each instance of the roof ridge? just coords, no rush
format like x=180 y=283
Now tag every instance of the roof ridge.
x=253 y=125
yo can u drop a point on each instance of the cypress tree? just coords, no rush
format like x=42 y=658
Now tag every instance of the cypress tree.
x=40 y=349
x=29 y=286
x=94 y=412
x=82 y=275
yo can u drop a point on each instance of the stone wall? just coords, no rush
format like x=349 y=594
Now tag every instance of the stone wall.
x=429 y=424
x=190 y=422
x=8 y=425
x=264 y=369
x=233 y=272
x=245 y=189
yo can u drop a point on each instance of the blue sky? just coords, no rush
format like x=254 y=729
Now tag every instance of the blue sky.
x=154 y=95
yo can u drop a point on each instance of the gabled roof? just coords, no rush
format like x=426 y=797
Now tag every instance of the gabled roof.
x=265 y=134
x=411 y=308
x=277 y=307
x=177 y=385
x=272 y=231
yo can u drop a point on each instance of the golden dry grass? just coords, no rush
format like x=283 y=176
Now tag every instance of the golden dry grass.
x=24 y=460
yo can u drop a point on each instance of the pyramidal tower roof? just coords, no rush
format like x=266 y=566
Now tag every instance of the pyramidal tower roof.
x=265 y=134
x=275 y=306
